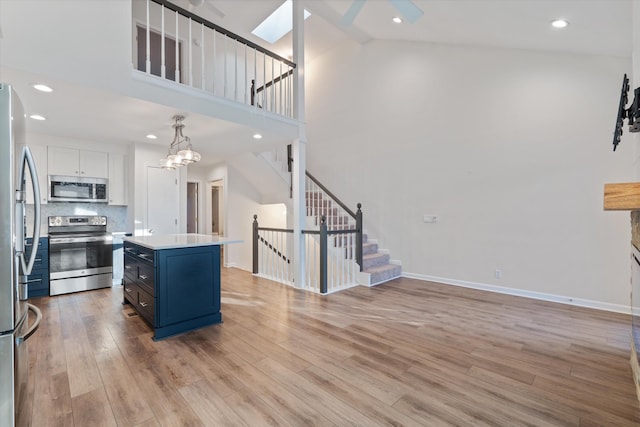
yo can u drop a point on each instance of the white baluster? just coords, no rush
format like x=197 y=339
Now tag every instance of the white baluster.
x=246 y=81
x=190 y=55
x=163 y=67
x=148 y=62
x=177 y=76
x=215 y=62
x=225 y=65
x=235 y=65
x=280 y=88
x=202 y=81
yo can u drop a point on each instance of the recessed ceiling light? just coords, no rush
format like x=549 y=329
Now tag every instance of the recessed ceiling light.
x=152 y=136
x=37 y=117
x=397 y=19
x=42 y=88
x=559 y=23
x=257 y=136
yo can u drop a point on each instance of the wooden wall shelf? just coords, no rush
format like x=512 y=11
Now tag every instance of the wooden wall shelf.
x=622 y=196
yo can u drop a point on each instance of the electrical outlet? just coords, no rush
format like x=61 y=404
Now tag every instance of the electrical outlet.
x=498 y=274
x=430 y=218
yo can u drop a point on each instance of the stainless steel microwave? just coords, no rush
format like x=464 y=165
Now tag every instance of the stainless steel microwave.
x=77 y=189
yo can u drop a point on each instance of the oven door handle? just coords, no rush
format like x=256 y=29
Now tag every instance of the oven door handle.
x=54 y=240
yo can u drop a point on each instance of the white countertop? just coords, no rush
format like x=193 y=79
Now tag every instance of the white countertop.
x=174 y=241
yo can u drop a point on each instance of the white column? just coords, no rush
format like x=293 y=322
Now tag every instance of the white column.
x=299 y=145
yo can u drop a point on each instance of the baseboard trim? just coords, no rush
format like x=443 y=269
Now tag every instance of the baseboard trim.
x=598 y=305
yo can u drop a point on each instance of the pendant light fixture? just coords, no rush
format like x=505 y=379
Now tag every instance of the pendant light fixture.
x=176 y=155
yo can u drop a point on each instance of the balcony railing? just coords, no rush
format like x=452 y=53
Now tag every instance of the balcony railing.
x=175 y=44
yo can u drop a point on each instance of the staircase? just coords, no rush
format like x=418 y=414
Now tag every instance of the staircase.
x=377 y=267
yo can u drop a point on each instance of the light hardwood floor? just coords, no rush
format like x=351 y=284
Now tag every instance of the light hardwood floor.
x=404 y=353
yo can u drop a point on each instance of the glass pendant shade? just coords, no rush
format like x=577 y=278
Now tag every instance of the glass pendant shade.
x=189 y=155
x=175 y=159
x=179 y=157
x=166 y=164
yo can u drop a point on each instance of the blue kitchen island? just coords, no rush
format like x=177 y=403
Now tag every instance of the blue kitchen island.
x=173 y=281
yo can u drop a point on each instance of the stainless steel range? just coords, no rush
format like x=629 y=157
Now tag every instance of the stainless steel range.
x=80 y=254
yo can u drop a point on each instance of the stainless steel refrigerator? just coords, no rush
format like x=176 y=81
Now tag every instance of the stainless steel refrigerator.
x=15 y=323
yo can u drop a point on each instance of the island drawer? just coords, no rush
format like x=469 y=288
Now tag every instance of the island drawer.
x=130 y=268
x=130 y=249
x=146 y=305
x=146 y=277
x=145 y=255
x=130 y=292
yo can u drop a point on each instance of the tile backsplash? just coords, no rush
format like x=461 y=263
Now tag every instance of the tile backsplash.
x=116 y=215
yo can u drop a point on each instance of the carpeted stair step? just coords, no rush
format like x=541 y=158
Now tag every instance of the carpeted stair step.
x=383 y=273
x=374 y=260
x=369 y=248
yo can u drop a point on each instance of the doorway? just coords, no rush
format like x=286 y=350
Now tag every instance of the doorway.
x=216 y=192
x=155 y=53
x=217 y=217
x=192 y=207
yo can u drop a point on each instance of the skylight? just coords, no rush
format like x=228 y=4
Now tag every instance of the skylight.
x=277 y=24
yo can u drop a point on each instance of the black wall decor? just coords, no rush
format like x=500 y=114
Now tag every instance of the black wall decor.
x=632 y=113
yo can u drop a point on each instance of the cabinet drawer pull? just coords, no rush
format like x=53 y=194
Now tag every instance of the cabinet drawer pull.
x=34 y=281
x=144 y=256
x=144 y=277
x=143 y=304
x=128 y=290
x=127 y=267
x=129 y=250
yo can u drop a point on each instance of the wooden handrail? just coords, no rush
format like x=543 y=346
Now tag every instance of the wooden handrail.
x=274 y=81
x=254 y=90
x=330 y=194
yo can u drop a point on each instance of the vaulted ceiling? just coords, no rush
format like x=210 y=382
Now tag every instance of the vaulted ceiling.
x=595 y=27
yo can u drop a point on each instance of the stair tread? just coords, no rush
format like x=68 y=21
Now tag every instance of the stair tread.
x=375 y=255
x=381 y=268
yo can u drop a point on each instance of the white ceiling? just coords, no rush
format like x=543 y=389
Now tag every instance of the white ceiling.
x=596 y=27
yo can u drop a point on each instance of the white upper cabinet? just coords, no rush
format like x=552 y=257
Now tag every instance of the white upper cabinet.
x=73 y=162
x=117 y=179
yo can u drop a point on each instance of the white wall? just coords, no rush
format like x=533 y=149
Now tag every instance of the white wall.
x=510 y=148
x=88 y=42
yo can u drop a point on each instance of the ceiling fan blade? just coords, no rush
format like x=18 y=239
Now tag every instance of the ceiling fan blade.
x=408 y=9
x=352 y=12
x=214 y=9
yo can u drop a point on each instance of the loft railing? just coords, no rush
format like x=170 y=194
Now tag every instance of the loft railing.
x=175 y=44
x=332 y=245
x=330 y=259
x=329 y=264
x=320 y=202
x=274 y=95
x=272 y=253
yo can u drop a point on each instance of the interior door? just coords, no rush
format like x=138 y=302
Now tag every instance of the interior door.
x=192 y=207
x=162 y=201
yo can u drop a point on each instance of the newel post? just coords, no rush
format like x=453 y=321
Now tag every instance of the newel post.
x=359 y=236
x=255 y=244
x=323 y=255
x=253 y=92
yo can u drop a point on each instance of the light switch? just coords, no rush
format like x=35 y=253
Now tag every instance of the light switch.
x=430 y=218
